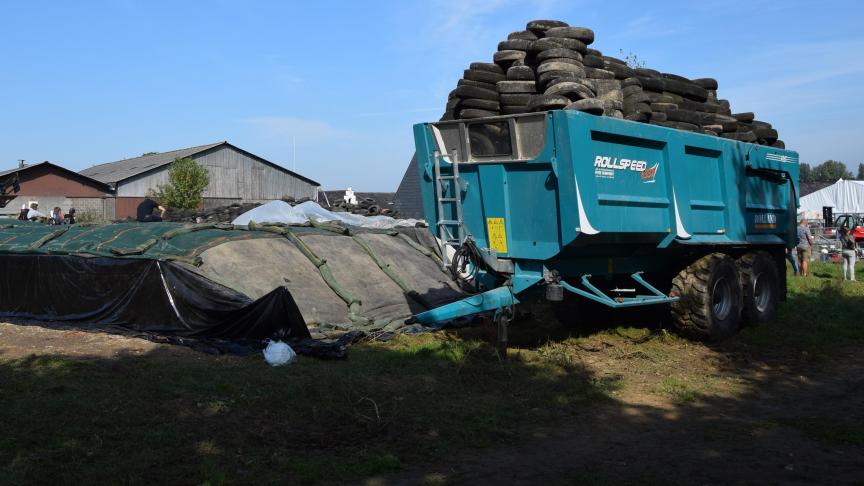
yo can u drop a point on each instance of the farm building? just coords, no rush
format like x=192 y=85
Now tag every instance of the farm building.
x=236 y=176
x=51 y=186
x=408 y=200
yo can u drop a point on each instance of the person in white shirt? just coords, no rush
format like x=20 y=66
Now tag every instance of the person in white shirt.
x=34 y=212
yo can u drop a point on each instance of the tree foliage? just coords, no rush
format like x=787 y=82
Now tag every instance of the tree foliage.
x=830 y=171
x=860 y=172
x=805 y=173
x=186 y=183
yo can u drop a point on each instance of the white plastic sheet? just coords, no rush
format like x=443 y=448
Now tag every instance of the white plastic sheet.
x=282 y=212
x=843 y=196
x=278 y=353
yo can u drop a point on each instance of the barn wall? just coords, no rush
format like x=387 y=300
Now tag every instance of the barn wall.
x=233 y=176
x=52 y=188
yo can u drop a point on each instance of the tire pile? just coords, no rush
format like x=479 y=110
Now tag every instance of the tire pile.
x=222 y=214
x=549 y=66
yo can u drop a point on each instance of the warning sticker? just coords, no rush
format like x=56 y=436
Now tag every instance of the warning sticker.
x=497 y=234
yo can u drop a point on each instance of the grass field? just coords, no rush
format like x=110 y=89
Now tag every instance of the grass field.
x=165 y=417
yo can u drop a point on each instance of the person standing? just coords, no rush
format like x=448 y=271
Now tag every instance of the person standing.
x=791 y=257
x=847 y=247
x=805 y=248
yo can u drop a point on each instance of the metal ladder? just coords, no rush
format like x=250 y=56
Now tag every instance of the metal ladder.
x=446 y=226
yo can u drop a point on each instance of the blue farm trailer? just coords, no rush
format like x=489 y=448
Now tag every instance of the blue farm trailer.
x=621 y=213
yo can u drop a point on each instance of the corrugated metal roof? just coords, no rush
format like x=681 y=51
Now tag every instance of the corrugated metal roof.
x=113 y=172
x=408 y=200
x=71 y=173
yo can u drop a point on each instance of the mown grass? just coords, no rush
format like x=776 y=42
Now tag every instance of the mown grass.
x=164 y=419
x=822 y=310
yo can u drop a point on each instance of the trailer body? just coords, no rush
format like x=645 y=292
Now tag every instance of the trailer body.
x=569 y=198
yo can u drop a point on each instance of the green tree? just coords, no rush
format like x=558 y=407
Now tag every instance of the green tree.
x=805 y=173
x=186 y=183
x=830 y=171
x=860 y=172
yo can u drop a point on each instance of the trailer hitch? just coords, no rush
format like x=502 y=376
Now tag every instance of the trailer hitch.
x=597 y=295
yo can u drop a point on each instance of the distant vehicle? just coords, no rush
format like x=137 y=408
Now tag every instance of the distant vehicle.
x=855 y=223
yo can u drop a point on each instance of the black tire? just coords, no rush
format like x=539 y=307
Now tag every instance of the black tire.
x=547 y=66
x=514 y=110
x=548 y=102
x=632 y=90
x=514 y=45
x=558 y=53
x=571 y=79
x=663 y=106
x=675 y=77
x=465 y=91
x=647 y=73
x=539 y=26
x=479 y=104
x=478 y=84
x=521 y=73
x=483 y=76
x=522 y=34
x=707 y=83
x=504 y=57
x=573 y=91
x=546 y=79
x=678 y=125
x=621 y=71
x=684 y=116
x=710 y=298
x=592 y=106
x=592 y=73
x=760 y=282
x=593 y=61
x=659 y=116
x=516 y=87
x=475 y=113
x=657 y=97
x=545 y=44
x=519 y=99
x=748 y=137
x=486 y=66
x=631 y=81
x=579 y=33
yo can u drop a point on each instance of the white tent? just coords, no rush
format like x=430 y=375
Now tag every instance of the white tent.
x=843 y=196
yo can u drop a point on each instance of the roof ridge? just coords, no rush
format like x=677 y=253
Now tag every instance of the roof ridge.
x=208 y=145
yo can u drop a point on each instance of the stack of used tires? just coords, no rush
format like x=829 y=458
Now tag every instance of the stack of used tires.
x=549 y=66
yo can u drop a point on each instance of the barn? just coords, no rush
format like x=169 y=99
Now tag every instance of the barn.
x=236 y=176
x=51 y=186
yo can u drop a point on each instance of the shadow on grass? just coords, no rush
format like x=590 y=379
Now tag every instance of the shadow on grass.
x=773 y=405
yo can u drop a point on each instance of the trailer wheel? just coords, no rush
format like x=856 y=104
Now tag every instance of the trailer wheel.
x=760 y=283
x=710 y=301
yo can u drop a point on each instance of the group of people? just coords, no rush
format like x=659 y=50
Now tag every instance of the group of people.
x=804 y=251
x=56 y=216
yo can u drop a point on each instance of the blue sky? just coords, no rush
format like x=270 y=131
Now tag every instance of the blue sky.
x=95 y=81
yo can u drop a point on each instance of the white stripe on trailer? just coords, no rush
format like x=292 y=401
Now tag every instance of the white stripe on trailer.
x=584 y=224
x=680 y=232
x=782 y=158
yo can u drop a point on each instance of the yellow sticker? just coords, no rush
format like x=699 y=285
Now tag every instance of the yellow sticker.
x=497 y=234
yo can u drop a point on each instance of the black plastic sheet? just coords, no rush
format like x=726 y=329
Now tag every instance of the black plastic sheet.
x=141 y=295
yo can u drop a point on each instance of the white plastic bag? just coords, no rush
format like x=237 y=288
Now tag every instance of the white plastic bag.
x=278 y=353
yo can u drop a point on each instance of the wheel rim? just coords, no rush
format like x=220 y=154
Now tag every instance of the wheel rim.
x=721 y=298
x=761 y=293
